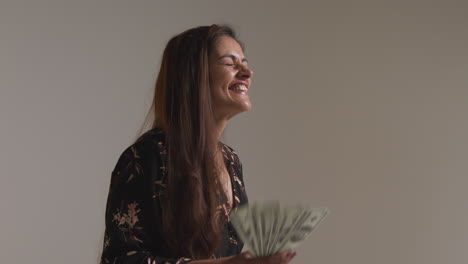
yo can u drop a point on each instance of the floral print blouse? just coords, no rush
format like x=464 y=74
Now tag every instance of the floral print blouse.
x=133 y=224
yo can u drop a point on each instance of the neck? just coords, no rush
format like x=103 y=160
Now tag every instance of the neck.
x=220 y=126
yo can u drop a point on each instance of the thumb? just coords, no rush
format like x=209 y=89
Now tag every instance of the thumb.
x=247 y=255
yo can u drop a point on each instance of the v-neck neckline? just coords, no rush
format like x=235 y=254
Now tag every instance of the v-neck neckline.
x=228 y=163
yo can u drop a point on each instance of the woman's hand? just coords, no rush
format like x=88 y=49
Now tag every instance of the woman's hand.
x=279 y=258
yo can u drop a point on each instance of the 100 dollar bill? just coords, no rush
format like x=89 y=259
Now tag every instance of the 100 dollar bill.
x=268 y=228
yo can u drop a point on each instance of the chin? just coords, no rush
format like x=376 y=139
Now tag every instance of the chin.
x=247 y=108
x=243 y=108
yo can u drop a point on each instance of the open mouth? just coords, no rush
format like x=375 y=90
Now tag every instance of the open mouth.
x=239 y=88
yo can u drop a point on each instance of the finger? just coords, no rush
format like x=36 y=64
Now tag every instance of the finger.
x=247 y=255
x=291 y=255
x=278 y=258
x=286 y=256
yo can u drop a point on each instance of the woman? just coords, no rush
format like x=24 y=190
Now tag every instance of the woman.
x=172 y=191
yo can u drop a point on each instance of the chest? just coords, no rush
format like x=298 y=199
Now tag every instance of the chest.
x=225 y=180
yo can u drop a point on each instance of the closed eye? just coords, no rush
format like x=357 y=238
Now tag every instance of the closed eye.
x=232 y=58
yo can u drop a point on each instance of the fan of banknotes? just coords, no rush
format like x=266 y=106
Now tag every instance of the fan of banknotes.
x=270 y=227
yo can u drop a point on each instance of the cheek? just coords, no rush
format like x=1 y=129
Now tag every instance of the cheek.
x=220 y=79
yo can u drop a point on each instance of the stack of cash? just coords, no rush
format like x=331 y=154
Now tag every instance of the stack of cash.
x=269 y=227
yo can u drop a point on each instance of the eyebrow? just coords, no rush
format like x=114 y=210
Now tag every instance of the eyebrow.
x=233 y=57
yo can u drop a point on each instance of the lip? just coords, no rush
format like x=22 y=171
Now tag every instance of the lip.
x=239 y=83
x=239 y=92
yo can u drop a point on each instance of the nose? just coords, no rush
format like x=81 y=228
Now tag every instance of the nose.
x=245 y=72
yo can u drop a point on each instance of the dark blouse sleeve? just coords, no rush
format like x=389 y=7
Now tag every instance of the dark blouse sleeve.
x=130 y=216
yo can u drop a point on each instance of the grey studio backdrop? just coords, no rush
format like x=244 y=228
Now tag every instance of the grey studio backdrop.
x=359 y=106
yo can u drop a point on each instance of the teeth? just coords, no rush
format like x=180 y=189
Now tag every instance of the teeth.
x=239 y=88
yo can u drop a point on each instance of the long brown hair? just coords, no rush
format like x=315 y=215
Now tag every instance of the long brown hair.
x=182 y=108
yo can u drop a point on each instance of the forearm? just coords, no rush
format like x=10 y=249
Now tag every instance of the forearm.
x=224 y=260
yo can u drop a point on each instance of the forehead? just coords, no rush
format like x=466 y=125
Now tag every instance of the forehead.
x=226 y=44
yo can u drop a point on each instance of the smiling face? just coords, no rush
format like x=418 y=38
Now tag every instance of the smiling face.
x=229 y=79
